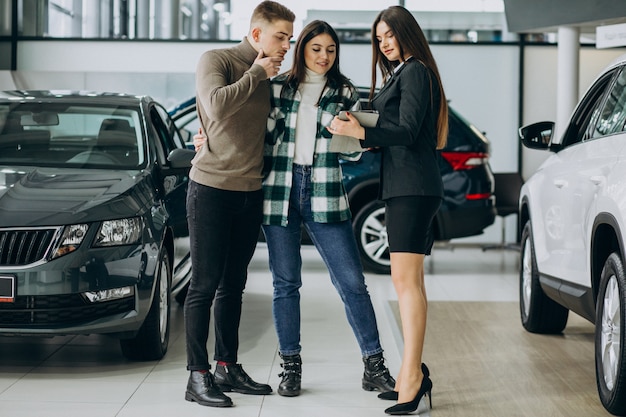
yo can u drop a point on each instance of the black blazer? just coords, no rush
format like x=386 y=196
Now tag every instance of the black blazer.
x=406 y=133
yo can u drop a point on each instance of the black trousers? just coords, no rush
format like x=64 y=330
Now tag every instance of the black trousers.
x=223 y=231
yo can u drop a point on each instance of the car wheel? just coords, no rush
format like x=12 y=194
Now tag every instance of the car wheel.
x=539 y=313
x=610 y=343
x=153 y=337
x=370 y=231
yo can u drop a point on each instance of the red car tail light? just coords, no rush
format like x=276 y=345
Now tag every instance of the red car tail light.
x=465 y=160
x=479 y=196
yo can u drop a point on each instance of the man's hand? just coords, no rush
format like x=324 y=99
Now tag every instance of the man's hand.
x=199 y=140
x=271 y=64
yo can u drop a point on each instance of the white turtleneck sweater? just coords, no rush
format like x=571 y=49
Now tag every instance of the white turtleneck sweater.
x=306 y=122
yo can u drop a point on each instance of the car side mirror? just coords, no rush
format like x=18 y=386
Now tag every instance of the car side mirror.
x=537 y=135
x=181 y=158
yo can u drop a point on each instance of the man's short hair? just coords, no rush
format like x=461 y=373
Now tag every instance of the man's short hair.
x=271 y=11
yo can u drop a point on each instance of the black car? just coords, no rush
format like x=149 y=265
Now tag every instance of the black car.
x=468 y=205
x=93 y=234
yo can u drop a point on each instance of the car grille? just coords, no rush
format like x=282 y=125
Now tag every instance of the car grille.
x=58 y=310
x=23 y=247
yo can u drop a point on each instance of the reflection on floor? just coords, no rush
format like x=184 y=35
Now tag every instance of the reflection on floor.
x=482 y=361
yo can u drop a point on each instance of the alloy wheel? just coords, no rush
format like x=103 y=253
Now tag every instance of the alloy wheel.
x=374 y=237
x=610 y=332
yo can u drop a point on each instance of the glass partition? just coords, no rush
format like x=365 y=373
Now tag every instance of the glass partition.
x=6 y=14
x=223 y=20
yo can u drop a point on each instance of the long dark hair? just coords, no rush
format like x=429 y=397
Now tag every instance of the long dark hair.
x=412 y=42
x=297 y=73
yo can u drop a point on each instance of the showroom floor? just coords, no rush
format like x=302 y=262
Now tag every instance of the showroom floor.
x=482 y=362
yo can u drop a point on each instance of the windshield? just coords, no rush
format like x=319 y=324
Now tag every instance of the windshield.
x=72 y=136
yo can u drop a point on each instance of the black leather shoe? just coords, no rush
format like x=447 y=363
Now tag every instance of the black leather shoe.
x=389 y=395
x=376 y=376
x=291 y=375
x=201 y=389
x=232 y=378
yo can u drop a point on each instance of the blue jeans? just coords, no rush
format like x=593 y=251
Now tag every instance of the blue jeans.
x=223 y=231
x=337 y=246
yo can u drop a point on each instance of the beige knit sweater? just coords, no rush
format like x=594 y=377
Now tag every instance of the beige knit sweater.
x=233 y=99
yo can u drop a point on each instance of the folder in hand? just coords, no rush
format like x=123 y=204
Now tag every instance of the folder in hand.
x=349 y=144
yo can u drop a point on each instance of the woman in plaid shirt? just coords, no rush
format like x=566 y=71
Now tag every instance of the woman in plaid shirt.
x=304 y=187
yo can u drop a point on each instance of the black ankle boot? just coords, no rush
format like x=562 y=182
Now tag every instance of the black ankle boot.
x=201 y=388
x=291 y=376
x=376 y=376
x=232 y=378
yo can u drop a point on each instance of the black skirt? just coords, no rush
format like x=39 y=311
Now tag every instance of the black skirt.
x=409 y=223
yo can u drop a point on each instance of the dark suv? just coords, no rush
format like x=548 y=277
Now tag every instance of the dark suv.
x=468 y=206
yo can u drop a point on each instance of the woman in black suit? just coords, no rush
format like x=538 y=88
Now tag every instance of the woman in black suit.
x=412 y=125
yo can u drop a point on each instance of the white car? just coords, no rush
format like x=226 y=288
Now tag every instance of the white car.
x=572 y=214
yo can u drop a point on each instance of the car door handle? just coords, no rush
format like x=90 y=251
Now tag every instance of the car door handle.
x=560 y=183
x=597 y=179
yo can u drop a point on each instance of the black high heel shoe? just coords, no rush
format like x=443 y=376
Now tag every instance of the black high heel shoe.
x=409 y=407
x=393 y=395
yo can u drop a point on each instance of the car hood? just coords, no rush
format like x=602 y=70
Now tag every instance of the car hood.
x=55 y=196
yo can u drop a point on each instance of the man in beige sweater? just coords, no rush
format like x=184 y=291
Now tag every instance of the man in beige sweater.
x=224 y=199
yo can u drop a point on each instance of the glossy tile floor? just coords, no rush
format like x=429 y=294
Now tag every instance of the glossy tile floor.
x=472 y=294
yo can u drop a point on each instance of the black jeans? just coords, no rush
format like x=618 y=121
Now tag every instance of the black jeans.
x=223 y=231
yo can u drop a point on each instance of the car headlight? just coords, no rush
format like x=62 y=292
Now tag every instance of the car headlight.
x=71 y=239
x=119 y=232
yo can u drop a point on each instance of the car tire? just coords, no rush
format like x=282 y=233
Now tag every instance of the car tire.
x=539 y=313
x=151 y=341
x=610 y=340
x=370 y=232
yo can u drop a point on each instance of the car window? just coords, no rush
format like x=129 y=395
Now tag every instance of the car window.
x=166 y=130
x=612 y=117
x=71 y=135
x=187 y=120
x=587 y=112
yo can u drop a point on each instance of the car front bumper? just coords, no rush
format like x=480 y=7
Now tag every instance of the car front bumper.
x=104 y=291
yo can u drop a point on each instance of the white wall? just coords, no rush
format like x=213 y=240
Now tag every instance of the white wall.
x=481 y=83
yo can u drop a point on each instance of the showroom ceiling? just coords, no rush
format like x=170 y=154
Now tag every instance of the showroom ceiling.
x=526 y=16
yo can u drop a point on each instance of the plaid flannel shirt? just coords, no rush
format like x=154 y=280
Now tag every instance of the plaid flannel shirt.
x=329 y=202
